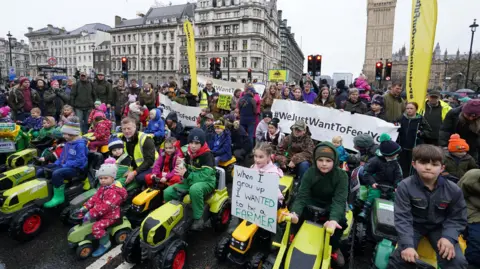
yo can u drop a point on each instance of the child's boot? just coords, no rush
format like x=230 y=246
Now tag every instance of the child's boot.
x=58 y=197
x=104 y=245
x=366 y=208
x=198 y=224
x=86 y=184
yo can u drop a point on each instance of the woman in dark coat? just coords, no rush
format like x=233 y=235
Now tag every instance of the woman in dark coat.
x=353 y=104
x=413 y=127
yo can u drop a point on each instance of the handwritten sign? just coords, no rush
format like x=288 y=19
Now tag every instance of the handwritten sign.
x=224 y=101
x=255 y=197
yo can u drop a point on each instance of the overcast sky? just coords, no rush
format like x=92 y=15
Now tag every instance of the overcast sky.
x=335 y=29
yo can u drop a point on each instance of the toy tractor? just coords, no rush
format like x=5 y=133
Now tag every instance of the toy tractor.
x=228 y=167
x=22 y=206
x=307 y=251
x=145 y=202
x=13 y=147
x=248 y=244
x=161 y=237
x=81 y=239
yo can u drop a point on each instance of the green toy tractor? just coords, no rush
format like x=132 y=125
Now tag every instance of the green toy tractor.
x=161 y=237
x=81 y=239
x=21 y=207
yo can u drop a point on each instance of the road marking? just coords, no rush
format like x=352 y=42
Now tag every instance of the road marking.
x=106 y=258
x=125 y=265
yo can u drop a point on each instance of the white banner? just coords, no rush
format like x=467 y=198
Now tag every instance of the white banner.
x=325 y=123
x=226 y=87
x=255 y=197
x=187 y=115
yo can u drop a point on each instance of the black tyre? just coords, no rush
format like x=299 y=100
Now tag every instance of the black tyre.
x=27 y=224
x=269 y=262
x=229 y=173
x=221 y=220
x=65 y=216
x=121 y=235
x=174 y=256
x=347 y=248
x=360 y=241
x=131 y=250
x=84 y=251
x=256 y=261
x=222 y=248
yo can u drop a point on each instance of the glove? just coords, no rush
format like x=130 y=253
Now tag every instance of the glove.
x=155 y=178
x=87 y=217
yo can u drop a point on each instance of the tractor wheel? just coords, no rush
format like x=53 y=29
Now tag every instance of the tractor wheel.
x=257 y=260
x=173 y=257
x=360 y=241
x=27 y=224
x=121 y=235
x=65 y=216
x=229 y=173
x=269 y=262
x=221 y=220
x=222 y=248
x=131 y=250
x=84 y=251
x=347 y=248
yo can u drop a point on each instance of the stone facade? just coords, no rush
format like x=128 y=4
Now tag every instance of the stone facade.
x=101 y=59
x=20 y=57
x=291 y=58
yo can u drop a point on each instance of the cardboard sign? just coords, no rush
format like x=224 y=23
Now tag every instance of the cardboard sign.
x=255 y=197
x=224 y=102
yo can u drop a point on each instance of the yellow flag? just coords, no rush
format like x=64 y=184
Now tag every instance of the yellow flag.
x=192 y=57
x=422 y=39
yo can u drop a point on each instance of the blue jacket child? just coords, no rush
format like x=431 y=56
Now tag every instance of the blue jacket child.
x=342 y=153
x=156 y=125
x=222 y=144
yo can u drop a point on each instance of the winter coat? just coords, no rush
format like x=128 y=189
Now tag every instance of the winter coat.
x=200 y=167
x=159 y=163
x=209 y=134
x=64 y=119
x=16 y=99
x=435 y=116
x=363 y=157
x=379 y=170
x=412 y=131
x=342 y=93
x=178 y=131
x=381 y=115
x=102 y=130
x=309 y=97
x=134 y=90
x=181 y=100
x=148 y=96
x=105 y=203
x=357 y=107
x=233 y=102
x=33 y=123
x=267 y=100
x=270 y=168
x=248 y=108
x=74 y=155
x=457 y=167
x=470 y=185
x=103 y=91
x=46 y=132
x=222 y=146
x=275 y=141
x=330 y=102
x=54 y=100
x=360 y=83
x=157 y=125
x=394 y=107
x=119 y=99
x=258 y=101
x=342 y=154
x=148 y=151
x=214 y=110
x=83 y=95
x=328 y=190
x=240 y=139
x=454 y=123
x=295 y=149
x=262 y=127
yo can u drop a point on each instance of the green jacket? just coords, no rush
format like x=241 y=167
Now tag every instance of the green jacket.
x=394 y=107
x=200 y=169
x=328 y=191
x=45 y=132
x=470 y=185
x=457 y=167
x=181 y=100
x=103 y=91
x=83 y=95
x=54 y=100
x=147 y=97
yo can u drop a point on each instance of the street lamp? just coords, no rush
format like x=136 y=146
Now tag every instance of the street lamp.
x=229 y=34
x=10 y=39
x=93 y=56
x=445 y=76
x=473 y=28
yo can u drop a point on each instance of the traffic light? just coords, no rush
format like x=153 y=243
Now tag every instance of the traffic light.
x=125 y=68
x=311 y=65
x=77 y=74
x=218 y=72
x=388 y=71
x=378 y=71
x=255 y=80
x=249 y=75
x=318 y=65
x=212 y=66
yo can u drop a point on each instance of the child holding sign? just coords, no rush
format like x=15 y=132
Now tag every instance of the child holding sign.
x=263 y=162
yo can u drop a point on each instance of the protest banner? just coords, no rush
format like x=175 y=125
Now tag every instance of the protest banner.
x=325 y=123
x=226 y=87
x=224 y=101
x=187 y=115
x=255 y=197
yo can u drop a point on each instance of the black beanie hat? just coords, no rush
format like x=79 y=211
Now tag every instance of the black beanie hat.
x=274 y=122
x=196 y=135
x=324 y=150
x=388 y=147
x=268 y=114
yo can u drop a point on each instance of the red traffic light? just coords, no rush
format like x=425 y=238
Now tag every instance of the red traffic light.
x=387 y=78
x=218 y=60
x=389 y=64
x=319 y=57
x=379 y=64
x=249 y=70
x=124 y=60
x=310 y=57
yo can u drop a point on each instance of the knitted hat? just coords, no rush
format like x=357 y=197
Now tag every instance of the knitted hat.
x=98 y=102
x=99 y=113
x=108 y=168
x=132 y=98
x=388 y=147
x=4 y=111
x=115 y=143
x=457 y=144
x=378 y=101
x=268 y=114
x=23 y=79
x=274 y=122
x=196 y=135
x=71 y=128
x=219 y=125
x=472 y=107
x=323 y=150
x=363 y=141
x=103 y=107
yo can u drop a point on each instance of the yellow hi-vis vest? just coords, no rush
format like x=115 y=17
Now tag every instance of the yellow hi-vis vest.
x=138 y=149
x=203 y=100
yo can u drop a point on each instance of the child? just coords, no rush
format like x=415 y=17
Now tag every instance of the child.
x=376 y=109
x=202 y=117
x=209 y=130
x=366 y=149
x=33 y=123
x=264 y=164
x=382 y=169
x=235 y=98
x=222 y=143
x=156 y=126
x=101 y=132
x=182 y=97
x=5 y=114
x=132 y=98
x=262 y=127
x=175 y=127
x=337 y=141
x=99 y=107
x=164 y=167
x=72 y=161
x=427 y=204
x=67 y=114
x=47 y=129
x=144 y=114
x=133 y=111
x=123 y=161
x=51 y=154
x=273 y=136
x=104 y=206
x=198 y=175
x=458 y=161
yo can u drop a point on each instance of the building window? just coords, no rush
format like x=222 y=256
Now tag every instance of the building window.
x=234 y=62
x=257 y=12
x=218 y=16
x=257 y=27
x=254 y=62
x=157 y=50
x=102 y=58
x=172 y=36
x=234 y=45
x=164 y=49
x=149 y=65
x=142 y=65
x=143 y=37
x=245 y=45
x=134 y=49
x=114 y=39
x=129 y=37
x=171 y=65
x=149 y=50
x=164 y=64
x=225 y=45
x=218 y=30
x=244 y=62
x=227 y=14
x=236 y=14
x=217 y=45
x=226 y=29
x=124 y=50
x=129 y=50
x=149 y=37
x=171 y=49
x=235 y=28
x=164 y=36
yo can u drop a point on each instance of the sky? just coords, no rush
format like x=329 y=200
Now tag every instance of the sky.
x=333 y=28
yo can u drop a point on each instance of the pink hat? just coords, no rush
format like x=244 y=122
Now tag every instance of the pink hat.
x=4 y=111
x=53 y=82
x=23 y=79
x=103 y=107
x=98 y=114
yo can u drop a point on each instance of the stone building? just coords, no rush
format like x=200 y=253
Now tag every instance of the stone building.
x=40 y=44
x=291 y=57
x=101 y=58
x=20 y=57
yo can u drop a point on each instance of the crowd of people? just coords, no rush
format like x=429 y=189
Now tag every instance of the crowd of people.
x=441 y=142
